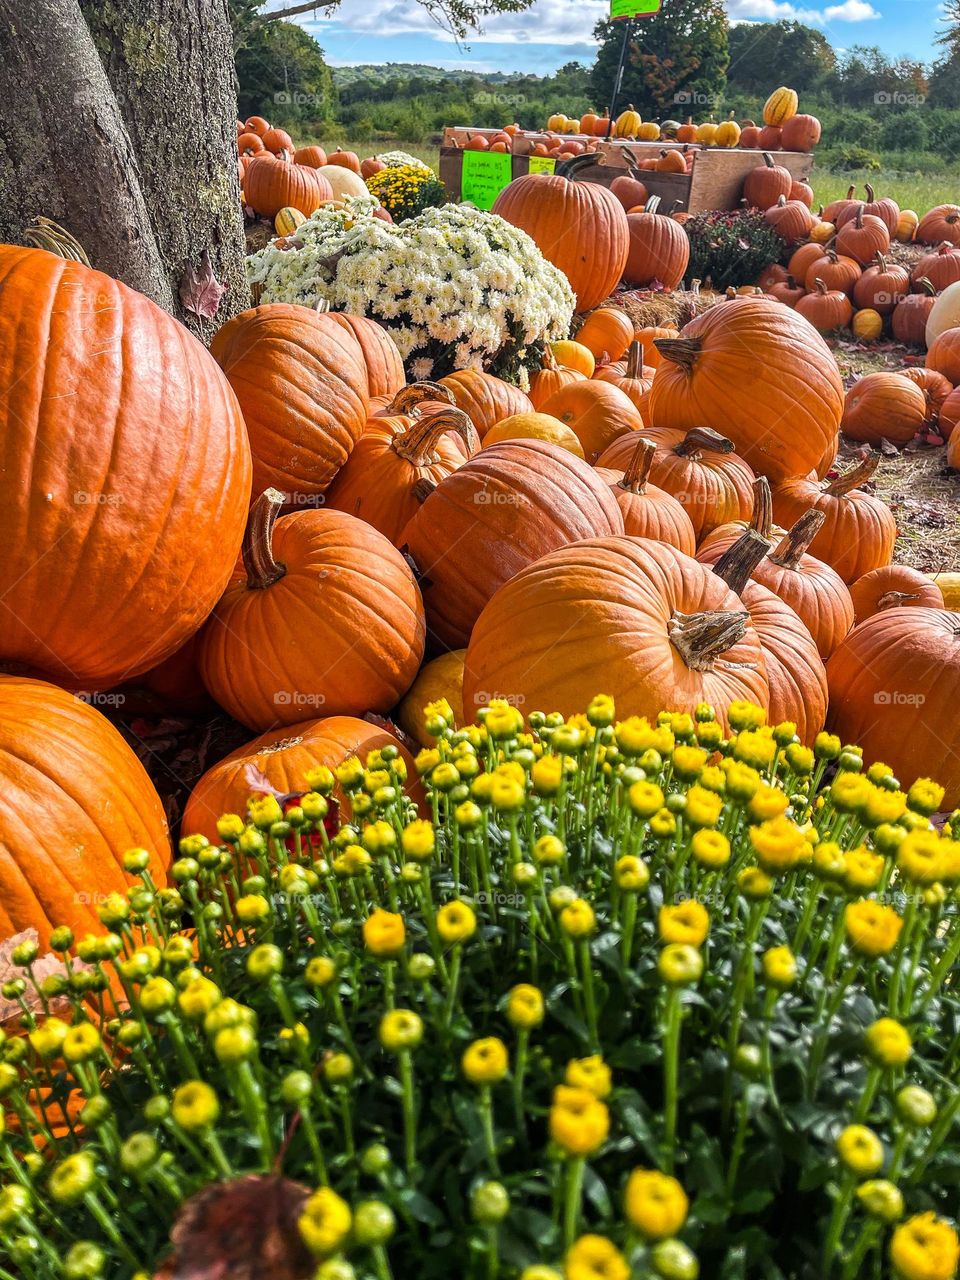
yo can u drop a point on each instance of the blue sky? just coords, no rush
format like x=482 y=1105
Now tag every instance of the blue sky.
x=558 y=31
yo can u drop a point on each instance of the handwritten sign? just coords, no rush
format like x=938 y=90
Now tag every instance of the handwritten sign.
x=485 y=174
x=634 y=8
x=543 y=164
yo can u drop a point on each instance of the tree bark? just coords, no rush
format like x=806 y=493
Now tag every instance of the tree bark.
x=170 y=63
x=64 y=150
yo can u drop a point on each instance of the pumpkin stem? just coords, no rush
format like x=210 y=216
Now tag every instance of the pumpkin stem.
x=634 y=360
x=762 y=518
x=927 y=286
x=858 y=220
x=768 y=159
x=851 y=191
x=653 y=203
x=700 y=638
x=794 y=544
x=262 y=570
x=416 y=445
x=891 y=599
x=682 y=351
x=322 y=306
x=738 y=562
x=820 y=287
x=699 y=438
x=869 y=190
x=44 y=233
x=855 y=476
x=423 y=488
x=408 y=398
x=635 y=477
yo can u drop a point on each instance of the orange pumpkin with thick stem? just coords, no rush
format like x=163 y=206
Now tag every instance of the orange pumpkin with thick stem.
x=608 y=330
x=939 y=224
x=75 y=799
x=550 y=377
x=699 y=468
x=862 y=237
x=941 y=267
x=859 y=531
x=578 y=226
x=301 y=379
x=257 y=125
x=757 y=373
x=826 y=309
x=791 y=219
x=835 y=271
x=345 y=159
x=126 y=475
x=725 y=535
x=764 y=185
x=381 y=358
x=484 y=398
x=279 y=761
x=881 y=286
x=279 y=142
x=883 y=406
x=396 y=453
x=269 y=186
x=324 y=613
x=908 y=324
x=885 y=208
x=894 y=586
x=894 y=685
x=649 y=512
x=665 y=632
x=659 y=248
x=250 y=144
x=648 y=338
x=634 y=379
x=500 y=511
x=596 y=411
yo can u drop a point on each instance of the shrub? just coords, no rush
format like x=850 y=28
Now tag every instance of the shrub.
x=730 y=248
x=635 y=994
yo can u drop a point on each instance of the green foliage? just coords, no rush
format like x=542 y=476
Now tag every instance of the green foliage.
x=676 y=60
x=848 y=156
x=765 y=54
x=282 y=75
x=730 y=248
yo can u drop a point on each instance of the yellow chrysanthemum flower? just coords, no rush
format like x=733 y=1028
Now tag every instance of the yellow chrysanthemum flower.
x=703 y=807
x=862 y=869
x=456 y=922
x=591 y=1074
x=384 y=933
x=779 y=845
x=485 y=1061
x=889 y=1043
x=860 y=1150
x=579 y=1121
x=525 y=1008
x=925 y=1247
x=400 y=1029
x=687 y=923
x=595 y=1258
x=645 y=799
x=872 y=929
x=920 y=857
x=780 y=967
x=710 y=848
x=325 y=1222
x=655 y=1204
x=577 y=919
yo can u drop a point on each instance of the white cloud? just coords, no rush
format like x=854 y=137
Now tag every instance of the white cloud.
x=547 y=22
x=850 y=11
x=769 y=11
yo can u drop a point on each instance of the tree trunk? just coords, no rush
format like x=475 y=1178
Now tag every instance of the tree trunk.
x=64 y=150
x=170 y=63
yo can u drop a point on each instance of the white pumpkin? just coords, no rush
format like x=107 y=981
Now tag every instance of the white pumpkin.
x=345 y=182
x=945 y=313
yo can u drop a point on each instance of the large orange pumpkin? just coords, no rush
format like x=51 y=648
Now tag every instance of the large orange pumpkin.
x=312 y=156
x=484 y=398
x=936 y=392
x=894 y=685
x=597 y=412
x=759 y=374
x=608 y=331
x=883 y=406
x=664 y=631
x=700 y=469
x=75 y=799
x=942 y=223
x=381 y=358
x=578 y=226
x=659 y=248
x=496 y=514
x=270 y=185
x=649 y=512
x=862 y=237
x=126 y=475
x=891 y=587
x=396 y=454
x=859 y=531
x=324 y=613
x=280 y=760
x=302 y=383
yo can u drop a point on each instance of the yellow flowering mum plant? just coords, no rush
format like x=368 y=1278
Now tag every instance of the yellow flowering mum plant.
x=619 y=1000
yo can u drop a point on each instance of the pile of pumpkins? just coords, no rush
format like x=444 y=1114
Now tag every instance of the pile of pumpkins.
x=784 y=127
x=286 y=183
x=281 y=523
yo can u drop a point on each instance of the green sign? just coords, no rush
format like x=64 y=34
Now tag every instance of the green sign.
x=485 y=174
x=543 y=164
x=633 y=8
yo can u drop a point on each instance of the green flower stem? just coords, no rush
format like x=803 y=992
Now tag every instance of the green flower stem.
x=486 y=1120
x=838 y=1220
x=672 y=1019
x=949 y=957
x=188 y=1064
x=250 y=1096
x=381 y=1263
x=898 y=966
x=806 y=919
x=628 y=928
x=573 y=1192
x=870 y=1086
x=409 y=1110
x=217 y=1154
x=769 y=1004
x=589 y=994
x=941 y=1127
x=341 y=1020
x=742 y=981
x=864 y=1242
x=313 y=1140
x=519 y=1072
x=346 y=1115
x=452 y=987
x=739 y=1142
x=824 y=1022
x=109 y=1228
x=493 y=1252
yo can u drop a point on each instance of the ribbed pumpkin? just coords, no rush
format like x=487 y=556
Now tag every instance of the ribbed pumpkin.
x=648 y=338
x=345 y=183
x=943 y=354
x=312 y=156
x=941 y=267
x=936 y=391
x=881 y=286
x=815 y=591
x=279 y=142
x=280 y=760
x=758 y=373
x=597 y=412
x=780 y=106
x=270 y=185
x=835 y=271
x=287 y=221
x=791 y=219
x=949 y=584
x=939 y=224
x=250 y=144
x=836 y=208
x=699 y=468
x=484 y=398
x=891 y=587
x=796 y=678
x=867 y=325
x=75 y=799
x=630 y=190
x=719 y=539
x=126 y=475
x=634 y=381
x=659 y=248
x=257 y=125
x=859 y=531
x=665 y=632
x=578 y=226
x=948 y=419
x=324 y=613
x=534 y=426
x=550 y=377
x=883 y=406
x=649 y=512
x=907 y=225
x=894 y=685
x=497 y=513
x=627 y=123
x=885 y=208
x=442 y=677
x=908 y=323
x=301 y=380
x=381 y=358
x=573 y=355
x=608 y=332
x=826 y=309
x=862 y=237
x=393 y=460
x=800 y=133
x=764 y=185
